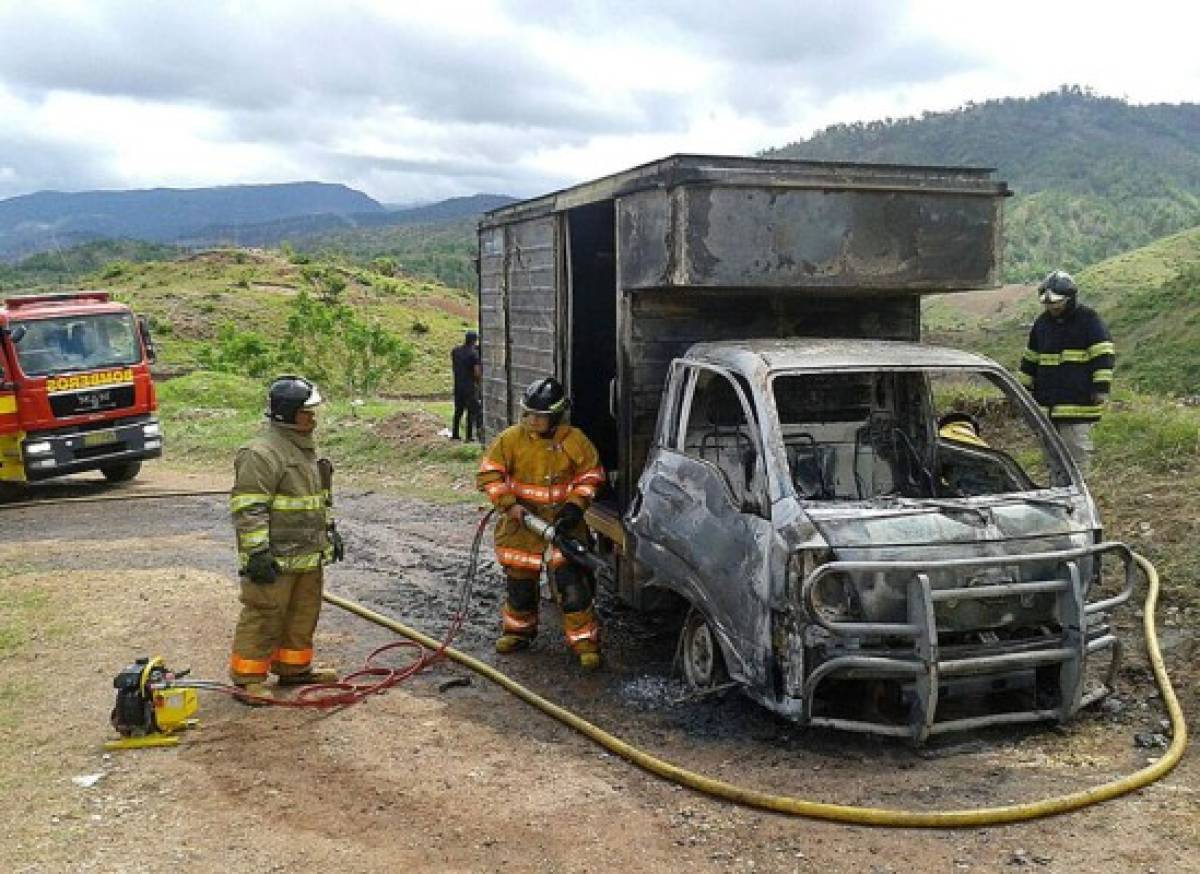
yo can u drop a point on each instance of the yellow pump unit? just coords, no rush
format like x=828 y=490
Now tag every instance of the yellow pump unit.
x=151 y=706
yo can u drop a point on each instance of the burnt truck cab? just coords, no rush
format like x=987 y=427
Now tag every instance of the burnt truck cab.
x=847 y=563
x=76 y=393
x=740 y=338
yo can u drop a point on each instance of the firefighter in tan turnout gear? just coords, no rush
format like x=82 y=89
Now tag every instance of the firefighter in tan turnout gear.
x=282 y=512
x=546 y=467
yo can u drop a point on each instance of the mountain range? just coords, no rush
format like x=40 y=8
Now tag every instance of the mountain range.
x=254 y=215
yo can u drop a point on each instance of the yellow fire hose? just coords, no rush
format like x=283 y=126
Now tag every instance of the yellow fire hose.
x=985 y=816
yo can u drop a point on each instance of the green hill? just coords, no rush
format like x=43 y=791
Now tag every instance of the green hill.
x=1093 y=176
x=1147 y=267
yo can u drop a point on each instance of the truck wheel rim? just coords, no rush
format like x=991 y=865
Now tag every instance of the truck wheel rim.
x=700 y=655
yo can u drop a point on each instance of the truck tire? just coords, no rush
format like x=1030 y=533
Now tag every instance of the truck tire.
x=11 y=492
x=121 y=473
x=703 y=662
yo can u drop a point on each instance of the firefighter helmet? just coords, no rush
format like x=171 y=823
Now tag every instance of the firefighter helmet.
x=288 y=395
x=1056 y=287
x=546 y=397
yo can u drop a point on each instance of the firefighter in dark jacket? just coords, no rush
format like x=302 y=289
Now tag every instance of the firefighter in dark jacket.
x=546 y=467
x=282 y=510
x=1069 y=364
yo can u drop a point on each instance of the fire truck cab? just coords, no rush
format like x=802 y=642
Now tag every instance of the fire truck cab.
x=75 y=388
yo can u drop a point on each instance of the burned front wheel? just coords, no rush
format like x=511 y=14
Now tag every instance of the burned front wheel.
x=121 y=473
x=700 y=651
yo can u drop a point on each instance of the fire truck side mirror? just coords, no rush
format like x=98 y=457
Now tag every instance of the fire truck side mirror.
x=147 y=339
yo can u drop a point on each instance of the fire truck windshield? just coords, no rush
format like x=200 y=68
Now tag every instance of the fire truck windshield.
x=71 y=343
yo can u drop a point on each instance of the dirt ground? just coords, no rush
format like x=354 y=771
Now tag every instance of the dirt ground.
x=464 y=777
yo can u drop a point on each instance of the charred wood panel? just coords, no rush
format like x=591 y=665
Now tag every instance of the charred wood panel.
x=493 y=338
x=532 y=272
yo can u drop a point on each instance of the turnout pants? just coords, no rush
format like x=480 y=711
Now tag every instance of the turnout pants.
x=575 y=593
x=1078 y=437
x=275 y=629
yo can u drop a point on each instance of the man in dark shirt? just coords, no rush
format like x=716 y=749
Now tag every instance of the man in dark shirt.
x=468 y=370
x=1069 y=364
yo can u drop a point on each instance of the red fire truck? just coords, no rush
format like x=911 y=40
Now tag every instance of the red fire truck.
x=75 y=388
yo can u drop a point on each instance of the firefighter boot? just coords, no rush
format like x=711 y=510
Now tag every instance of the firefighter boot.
x=315 y=676
x=518 y=616
x=507 y=643
x=254 y=694
x=582 y=630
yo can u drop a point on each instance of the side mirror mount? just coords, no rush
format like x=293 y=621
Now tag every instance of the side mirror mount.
x=147 y=339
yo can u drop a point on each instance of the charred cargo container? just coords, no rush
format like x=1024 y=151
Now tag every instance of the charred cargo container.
x=740 y=338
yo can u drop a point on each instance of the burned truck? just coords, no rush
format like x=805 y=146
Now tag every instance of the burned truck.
x=860 y=530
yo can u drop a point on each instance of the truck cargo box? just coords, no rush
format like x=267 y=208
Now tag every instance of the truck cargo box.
x=602 y=284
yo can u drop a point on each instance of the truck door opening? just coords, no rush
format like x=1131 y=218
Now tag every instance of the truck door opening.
x=592 y=348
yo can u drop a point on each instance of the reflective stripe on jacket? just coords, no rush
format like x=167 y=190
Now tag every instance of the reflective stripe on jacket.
x=1068 y=364
x=278 y=500
x=543 y=473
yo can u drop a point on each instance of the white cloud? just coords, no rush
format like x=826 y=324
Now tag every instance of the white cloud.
x=412 y=101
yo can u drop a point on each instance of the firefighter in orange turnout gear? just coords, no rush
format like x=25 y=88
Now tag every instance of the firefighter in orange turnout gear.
x=546 y=467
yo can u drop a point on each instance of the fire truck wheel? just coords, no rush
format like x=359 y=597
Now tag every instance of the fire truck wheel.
x=13 y=491
x=703 y=661
x=121 y=473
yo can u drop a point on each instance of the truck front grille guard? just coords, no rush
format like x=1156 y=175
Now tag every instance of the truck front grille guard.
x=927 y=668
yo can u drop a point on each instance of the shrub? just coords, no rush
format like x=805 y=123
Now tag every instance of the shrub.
x=384 y=266
x=115 y=269
x=333 y=345
x=234 y=351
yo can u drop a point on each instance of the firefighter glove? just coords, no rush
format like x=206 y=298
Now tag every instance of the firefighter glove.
x=337 y=545
x=568 y=516
x=261 y=567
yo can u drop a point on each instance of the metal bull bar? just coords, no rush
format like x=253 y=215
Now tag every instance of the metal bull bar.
x=927 y=668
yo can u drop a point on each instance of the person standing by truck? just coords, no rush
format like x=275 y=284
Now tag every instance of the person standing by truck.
x=282 y=512
x=1068 y=364
x=468 y=369
x=546 y=467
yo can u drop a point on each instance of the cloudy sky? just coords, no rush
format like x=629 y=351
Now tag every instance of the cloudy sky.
x=412 y=101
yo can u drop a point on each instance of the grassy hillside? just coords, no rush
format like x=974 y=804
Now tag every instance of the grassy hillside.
x=1094 y=176
x=190 y=299
x=442 y=251
x=1148 y=267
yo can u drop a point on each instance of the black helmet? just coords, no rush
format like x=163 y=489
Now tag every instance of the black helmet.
x=471 y=337
x=288 y=395
x=547 y=397
x=1058 y=286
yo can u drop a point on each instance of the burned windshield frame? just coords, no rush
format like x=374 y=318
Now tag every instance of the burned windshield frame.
x=66 y=344
x=871 y=434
